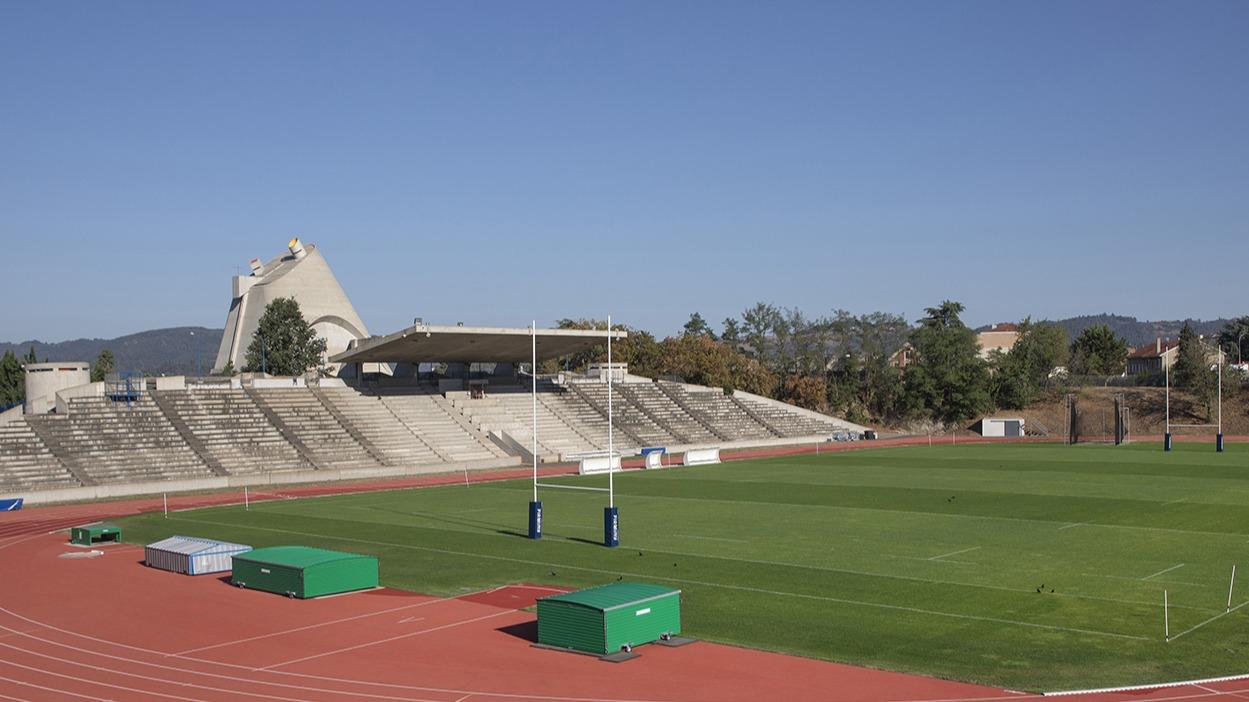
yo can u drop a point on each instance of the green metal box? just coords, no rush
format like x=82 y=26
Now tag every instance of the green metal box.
x=94 y=533
x=303 y=572
x=610 y=618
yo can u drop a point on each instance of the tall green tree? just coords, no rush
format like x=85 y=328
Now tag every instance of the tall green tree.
x=1234 y=339
x=12 y=380
x=104 y=364
x=30 y=356
x=1192 y=370
x=697 y=326
x=284 y=343
x=1098 y=351
x=949 y=381
x=732 y=333
x=1018 y=375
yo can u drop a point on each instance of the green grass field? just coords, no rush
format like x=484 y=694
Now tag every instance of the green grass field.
x=925 y=560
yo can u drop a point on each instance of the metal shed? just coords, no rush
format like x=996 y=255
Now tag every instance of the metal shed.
x=191 y=555
x=303 y=572
x=94 y=533
x=610 y=618
x=1010 y=427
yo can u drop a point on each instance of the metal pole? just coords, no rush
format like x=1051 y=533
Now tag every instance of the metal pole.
x=1166 y=617
x=165 y=498
x=533 y=372
x=611 y=445
x=247 y=503
x=1166 y=439
x=1231 y=585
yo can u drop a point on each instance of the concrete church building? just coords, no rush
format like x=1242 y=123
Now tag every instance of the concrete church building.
x=303 y=274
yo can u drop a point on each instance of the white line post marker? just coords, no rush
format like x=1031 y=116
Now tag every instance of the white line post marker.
x=247 y=503
x=164 y=496
x=1166 y=618
x=1231 y=585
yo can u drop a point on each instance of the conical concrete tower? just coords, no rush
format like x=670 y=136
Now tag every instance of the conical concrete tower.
x=303 y=274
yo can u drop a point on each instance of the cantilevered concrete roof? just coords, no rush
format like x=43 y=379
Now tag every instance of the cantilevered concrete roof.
x=431 y=343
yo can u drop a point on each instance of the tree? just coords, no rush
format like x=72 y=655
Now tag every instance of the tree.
x=1192 y=368
x=732 y=333
x=805 y=391
x=1019 y=374
x=1098 y=351
x=1234 y=338
x=697 y=326
x=30 y=357
x=104 y=364
x=704 y=361
x=949 y=381
x=284 y=343
x=12 y=380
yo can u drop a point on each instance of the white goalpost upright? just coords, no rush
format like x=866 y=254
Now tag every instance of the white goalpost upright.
x=611 y=516
x=1167 y=438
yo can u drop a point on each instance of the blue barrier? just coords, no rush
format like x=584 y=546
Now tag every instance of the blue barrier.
x=11 y=505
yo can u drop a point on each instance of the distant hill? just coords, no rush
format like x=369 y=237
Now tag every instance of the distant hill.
x=1134 y=331
x=174 y=351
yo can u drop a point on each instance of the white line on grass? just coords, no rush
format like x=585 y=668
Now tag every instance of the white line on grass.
x=1164 y=570
x=1072 y=526
x=742 y=588
x=1211 y=619
x=711 y=538
x=954 y=553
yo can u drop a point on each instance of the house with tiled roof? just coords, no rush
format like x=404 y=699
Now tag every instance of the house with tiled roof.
x=1153 y=358
x=999 y=337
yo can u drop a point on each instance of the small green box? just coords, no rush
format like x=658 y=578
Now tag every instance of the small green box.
x=94 y=533
x=303 y=572
x=606 y=619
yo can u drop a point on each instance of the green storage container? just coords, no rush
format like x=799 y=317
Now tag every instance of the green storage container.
x=606 y=619
x=94 y=533
x=303 y=572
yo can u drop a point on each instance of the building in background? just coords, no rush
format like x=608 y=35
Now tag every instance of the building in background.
x=999 y=337
x=303 y=274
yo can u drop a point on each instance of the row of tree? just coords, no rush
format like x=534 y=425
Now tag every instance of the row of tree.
x=877 y=367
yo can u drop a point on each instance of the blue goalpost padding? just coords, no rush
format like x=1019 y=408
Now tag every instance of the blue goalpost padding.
x=11 y=505
x=535 y=520
x=611 y=527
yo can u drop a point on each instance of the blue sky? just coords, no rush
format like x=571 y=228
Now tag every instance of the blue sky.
x=495 y=162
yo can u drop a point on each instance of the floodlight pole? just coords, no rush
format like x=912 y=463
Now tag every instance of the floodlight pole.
x=535 y=506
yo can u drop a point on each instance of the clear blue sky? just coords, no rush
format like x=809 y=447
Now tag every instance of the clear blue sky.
x=495 y=162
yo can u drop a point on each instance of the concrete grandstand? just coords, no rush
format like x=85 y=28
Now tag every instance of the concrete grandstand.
x=426 y=399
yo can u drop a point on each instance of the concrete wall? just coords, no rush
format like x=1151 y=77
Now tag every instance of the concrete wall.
x=45 y=380
x=100 y=492
x=89 y=390
x=11 y=415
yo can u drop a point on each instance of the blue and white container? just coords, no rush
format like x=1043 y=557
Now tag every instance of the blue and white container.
x=191 y=555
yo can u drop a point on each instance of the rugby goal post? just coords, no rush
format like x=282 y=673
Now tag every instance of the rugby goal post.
x=1217 y=425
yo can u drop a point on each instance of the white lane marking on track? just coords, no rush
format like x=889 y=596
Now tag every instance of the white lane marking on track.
x=52 y=689
x=321 y=624
x=386 y=640
x=185 y=671
x=954 y=553
x=1164 y=570
x=405 y=620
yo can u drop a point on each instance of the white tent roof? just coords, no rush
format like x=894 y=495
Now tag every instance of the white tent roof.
x=193 y=546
